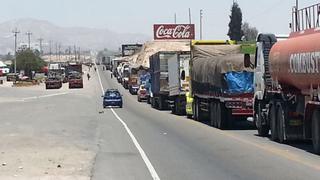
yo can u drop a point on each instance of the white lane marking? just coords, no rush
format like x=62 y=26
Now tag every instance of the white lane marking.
x=144 y=156
x=99 y=79
x=44 y=96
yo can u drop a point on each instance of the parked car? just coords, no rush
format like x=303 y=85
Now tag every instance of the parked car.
x=142 y=93
x=112 y=97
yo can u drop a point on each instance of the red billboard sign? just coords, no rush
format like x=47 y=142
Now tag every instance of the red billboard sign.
x=173 y=31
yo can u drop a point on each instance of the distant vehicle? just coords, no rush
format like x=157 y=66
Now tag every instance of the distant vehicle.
x=112 y=97
x=142 y=93
x=55 y=76
x=75 y=79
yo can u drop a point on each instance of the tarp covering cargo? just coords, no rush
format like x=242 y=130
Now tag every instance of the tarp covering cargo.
x=239 y=82
x=210 y=64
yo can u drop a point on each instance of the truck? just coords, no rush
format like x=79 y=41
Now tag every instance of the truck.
x=75 y=79
x=134 y=77
x=221 y=87
x=125 y=74
x=178 y=82
x=164 y=65
x=54 y=78
x=287 y=82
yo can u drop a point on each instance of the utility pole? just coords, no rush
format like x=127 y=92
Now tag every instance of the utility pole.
x=29 y=37
x=75 y=53
x=56 y=44
x=40 y=43
x=50 y=49
x=189 y=15
x=69 y=53
x=59 y=51
x=175 y=18
x=15 y=32
x=201 y=16
x=79 y=54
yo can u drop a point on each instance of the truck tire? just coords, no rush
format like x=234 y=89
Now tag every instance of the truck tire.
x=152 y=102
x=281 y=123
x=198 y=112
x=194 y=109
x=273 y=123
x=177 y=106
x=221 y=122
x=160 y=103
x=212 y=114
x=263 y=130
x=316 y=131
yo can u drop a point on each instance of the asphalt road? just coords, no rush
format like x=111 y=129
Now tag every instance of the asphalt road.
x=66 y=134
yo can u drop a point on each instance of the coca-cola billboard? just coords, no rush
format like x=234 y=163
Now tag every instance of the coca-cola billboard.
x=173 y=31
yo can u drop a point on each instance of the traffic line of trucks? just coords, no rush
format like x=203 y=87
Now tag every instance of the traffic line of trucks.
x=275 y=80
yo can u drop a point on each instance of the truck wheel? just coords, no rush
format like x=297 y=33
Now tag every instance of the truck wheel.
x=273 y=123
x=316 y=131
x=194 y=110
x=281 y=123
x=173 y=109
x=263 y=130
x=152 y=102
x=220 y=123
x=212 y=114
x=197 y=111
x=177 y=107
x=230 y=120
x=160 y=103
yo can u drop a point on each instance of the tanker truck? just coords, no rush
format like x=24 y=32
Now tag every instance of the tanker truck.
x=221 y=87
x=287 y=83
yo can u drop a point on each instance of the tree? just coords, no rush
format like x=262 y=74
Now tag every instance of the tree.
x=235 y=32
x=249 y=33
x=29 y=61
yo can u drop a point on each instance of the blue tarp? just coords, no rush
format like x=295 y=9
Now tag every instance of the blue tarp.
x=239 y=82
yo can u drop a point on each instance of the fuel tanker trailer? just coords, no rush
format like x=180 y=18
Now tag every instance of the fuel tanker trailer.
x=287 y=83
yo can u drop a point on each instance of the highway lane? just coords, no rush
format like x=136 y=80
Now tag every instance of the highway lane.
x=180 y=148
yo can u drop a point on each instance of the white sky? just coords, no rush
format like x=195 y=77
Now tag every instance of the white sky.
x=138 y=16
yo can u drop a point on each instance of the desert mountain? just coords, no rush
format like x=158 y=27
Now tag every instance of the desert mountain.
x=86 y=38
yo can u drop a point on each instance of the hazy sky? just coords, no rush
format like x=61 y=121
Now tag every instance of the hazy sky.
x=138 y=16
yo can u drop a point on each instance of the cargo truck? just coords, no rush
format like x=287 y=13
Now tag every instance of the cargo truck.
x=178 y=72
x=159 y=92
x=125 y=74
x=54 y=78
x=135 y=73
x=221 y=87
x=75 y=78
x=287 y=82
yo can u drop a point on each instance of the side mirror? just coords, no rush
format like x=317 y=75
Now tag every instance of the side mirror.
x=247 y=62
x=183 y=75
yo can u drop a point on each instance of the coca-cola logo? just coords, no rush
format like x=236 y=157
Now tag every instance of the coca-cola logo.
x=174 y=31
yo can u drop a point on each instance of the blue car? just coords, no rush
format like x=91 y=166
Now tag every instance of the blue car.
x=112 y=97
